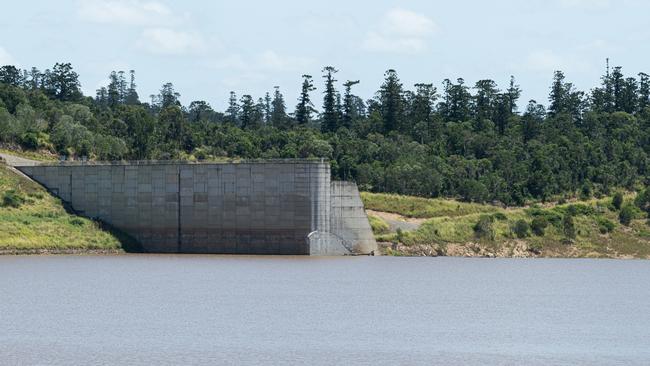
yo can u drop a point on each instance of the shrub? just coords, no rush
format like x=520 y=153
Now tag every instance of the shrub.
x=626 y=215
x=580 y=210
x=642 y=200
x=535 y=248
x=605 y=226
x=568 y=227
x=617 y=200
x=551 y=216
x=483 y=228
x=500 y=216
x=539 y=225
x=76 y=221
x=30 y=140
x=522 y=229
x=585 y=192
x=12 y=199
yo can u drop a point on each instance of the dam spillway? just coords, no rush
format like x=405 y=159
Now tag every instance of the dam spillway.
x=267 y=207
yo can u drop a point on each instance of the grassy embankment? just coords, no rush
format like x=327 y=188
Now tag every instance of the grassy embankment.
x=588 y=228
x=32 y=221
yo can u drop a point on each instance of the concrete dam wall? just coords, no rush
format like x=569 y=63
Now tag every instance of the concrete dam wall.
x=279 y=207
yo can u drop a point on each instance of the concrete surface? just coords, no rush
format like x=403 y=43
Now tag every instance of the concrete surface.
x=281 y=207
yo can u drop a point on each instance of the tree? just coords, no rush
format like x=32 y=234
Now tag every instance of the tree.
x=113 y=90
x=200 y=110
x=617 y=200
x=456 y=102
x=168 y=97
x=485 y=99
x=564 y=98
x=232 y=113
x=330 y=122
x=305 y=108
x=644 y=91
x=390 y=98
x=278 y=110
x=10 y=75
x=63 y=82
x=513 y=93
x=267 y=108
x=626 y=215
x=568 y=227
x=421 y=111
x=249 y=115
x=350 y=112
x=132 y=97
x=172 y=122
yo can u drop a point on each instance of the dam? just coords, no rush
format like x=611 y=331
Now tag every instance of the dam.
x=275 y=207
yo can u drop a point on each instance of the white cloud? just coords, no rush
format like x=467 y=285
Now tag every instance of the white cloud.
x=548 y=61
x=168 y=41
x=128 y=12
x=402 y=31
x=407 y=23
x=6 y=58
x=266 y=61
x=587 y=4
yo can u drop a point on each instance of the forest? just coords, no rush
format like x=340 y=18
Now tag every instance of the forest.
x=476 y=143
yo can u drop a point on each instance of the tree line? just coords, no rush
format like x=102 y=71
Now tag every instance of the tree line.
x=473 y=142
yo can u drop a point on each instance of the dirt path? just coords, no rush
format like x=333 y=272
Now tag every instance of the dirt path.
x=396 y=221
x=14 y=161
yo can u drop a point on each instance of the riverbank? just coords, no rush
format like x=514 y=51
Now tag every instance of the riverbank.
x=580 y=229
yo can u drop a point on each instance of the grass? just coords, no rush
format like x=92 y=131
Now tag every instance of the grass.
x=417 y=207
x=378 y=225
x=597 y=228
x=40 y=223
x=33 y=155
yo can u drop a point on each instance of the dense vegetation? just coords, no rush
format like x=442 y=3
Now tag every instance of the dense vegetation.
x=608 y=227
x=474 y=143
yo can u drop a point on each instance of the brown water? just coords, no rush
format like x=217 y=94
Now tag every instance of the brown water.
x=211 y=310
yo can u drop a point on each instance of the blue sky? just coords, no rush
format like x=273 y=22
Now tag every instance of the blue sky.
x=207 y=48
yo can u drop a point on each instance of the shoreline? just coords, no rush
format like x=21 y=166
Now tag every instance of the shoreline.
x=418 y=251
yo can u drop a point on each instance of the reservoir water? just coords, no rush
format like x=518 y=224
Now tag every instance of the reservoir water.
x=214 y=310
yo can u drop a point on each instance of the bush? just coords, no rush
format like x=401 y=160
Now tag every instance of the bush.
x=30 y=140
x=539 y=225
x=550 y=216
x=568 y=227
x=585 y=192
x=579 y=210
x=484 y=228
x=76 y=221
x=642 y=200
x=535 y=248
x=522 y=229
x=617 y=200
x=500 y=216
x=12 y=199
x=626 y=215
x=605 y=226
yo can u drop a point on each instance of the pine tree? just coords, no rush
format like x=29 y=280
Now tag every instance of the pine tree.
x=232 y=113
x=247 y=115
x=391 y=100
x=349 y=110
x=330 y=122
x=132 y=97
x=305 y=108
x=644 y=91
x=278 y=110
x=267 y=108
